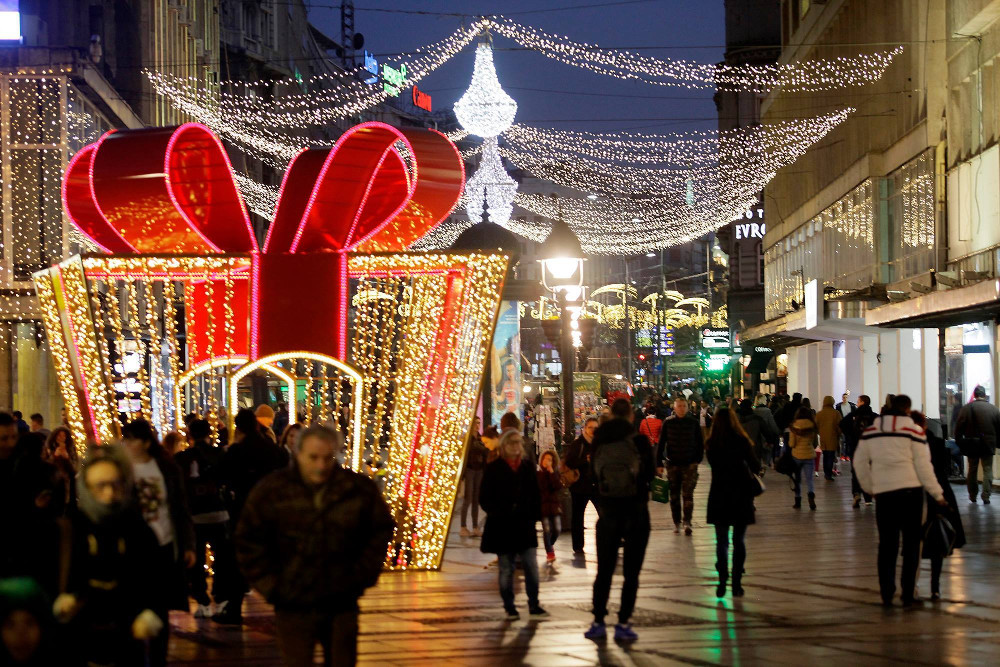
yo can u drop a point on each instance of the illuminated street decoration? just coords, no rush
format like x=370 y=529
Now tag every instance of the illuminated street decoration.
x=401 y=376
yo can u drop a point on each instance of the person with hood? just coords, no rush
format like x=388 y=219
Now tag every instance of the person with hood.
x=549 y=485
x=513 y=505
x=730 y=498
x=577 y=461
x=941 y=460
x=682 y=448
x=828 y=427
x=979 y=421
x=110 y=593
x=894 y=464
x=311 y=538
x=475 y=462
x=802 y=442
x=160 y=493
x=622 y=467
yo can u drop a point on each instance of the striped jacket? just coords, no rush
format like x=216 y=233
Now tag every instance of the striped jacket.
x=893 y=454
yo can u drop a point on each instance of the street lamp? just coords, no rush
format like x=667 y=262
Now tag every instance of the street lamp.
x=562 y=274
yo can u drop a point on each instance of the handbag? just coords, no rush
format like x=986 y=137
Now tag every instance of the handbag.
x=939 y=537
x=785 y=465
x=757 y=485
x=568 y=476
x=660 y=488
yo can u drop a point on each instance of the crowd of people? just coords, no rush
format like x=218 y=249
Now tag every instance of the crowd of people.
x=102 y=541
x=899 y=460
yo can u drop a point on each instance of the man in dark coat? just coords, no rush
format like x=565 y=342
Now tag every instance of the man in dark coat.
x=622 y=519
x=581 y=491
x=513 y=505
x=682 y=446
x=311 y=539
x=979 y=419
x=852 y=426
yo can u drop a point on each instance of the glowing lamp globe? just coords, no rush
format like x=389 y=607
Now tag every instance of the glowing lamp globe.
x=485 y=109
x=562 y=262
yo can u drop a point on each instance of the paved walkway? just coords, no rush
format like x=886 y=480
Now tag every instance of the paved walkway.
x=811 y=597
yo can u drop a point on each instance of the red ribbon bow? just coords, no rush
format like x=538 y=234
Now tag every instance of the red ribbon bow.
x=171 y=190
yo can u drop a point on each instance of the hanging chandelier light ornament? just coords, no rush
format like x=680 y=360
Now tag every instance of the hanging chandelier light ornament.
x=485 y=109
x=492 y=183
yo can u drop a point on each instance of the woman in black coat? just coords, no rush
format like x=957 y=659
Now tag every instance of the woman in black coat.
x=730 y=498
x=941 y=460
x=512 y=502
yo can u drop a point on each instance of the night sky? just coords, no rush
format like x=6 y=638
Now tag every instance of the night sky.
x=548 y=93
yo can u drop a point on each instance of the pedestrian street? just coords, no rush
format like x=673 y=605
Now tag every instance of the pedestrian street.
x=811 y=598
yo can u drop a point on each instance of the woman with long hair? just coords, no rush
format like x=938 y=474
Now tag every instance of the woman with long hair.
x=549 y=485
x=802 y=441
x=730 y=498
x=60 y=452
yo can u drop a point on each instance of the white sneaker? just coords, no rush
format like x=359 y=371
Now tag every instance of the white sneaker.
x=464 y=532
x=204 y=611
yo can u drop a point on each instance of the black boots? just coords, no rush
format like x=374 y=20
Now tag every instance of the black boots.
x=798 y=503
x=812 y=501
x=720 y=590
x=737 y=588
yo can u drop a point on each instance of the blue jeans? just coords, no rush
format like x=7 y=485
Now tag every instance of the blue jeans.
x=550 y=531
x=804 y=468
x=506 y=563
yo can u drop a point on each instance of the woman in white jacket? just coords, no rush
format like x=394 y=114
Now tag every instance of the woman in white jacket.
x=893 y=462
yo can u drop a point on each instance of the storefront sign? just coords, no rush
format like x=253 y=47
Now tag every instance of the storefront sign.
x=715 y=339
x=716 y=362
x=371 y=66
x=393 y=80
x=751 y=225
x=421 y=99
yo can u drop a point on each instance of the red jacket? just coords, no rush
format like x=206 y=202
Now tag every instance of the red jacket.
x=650 y=427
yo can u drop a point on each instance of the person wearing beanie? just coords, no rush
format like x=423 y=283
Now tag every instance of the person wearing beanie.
x=265 y=417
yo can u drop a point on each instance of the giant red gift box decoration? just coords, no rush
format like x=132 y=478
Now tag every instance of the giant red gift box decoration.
x=185 y=312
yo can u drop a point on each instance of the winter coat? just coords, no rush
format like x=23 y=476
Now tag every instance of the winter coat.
x=730 y=498
x=111 y=574
x=828 y=425
x=513 y=506
x=180 y=517
x=980 y=418
x=892 y=455
x=313 y=549
x=802 y=439
x=578 y=454
x=770 y=428
x=618 y=430
x=754 y=426
x=549 y=486
x=475 y=456
x=854 y=424
x=199 y=466
x=941 y=460
x=247 y=462
x=650 y=427
x=681 y=441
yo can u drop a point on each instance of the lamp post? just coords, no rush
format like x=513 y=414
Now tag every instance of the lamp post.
x=562 y=274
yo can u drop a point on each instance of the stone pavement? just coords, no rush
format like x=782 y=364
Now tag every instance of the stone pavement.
x=811 y=596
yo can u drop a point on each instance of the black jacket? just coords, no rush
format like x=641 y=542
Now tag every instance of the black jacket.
x=617 y=430
x=306 y=548
x=200 y=469
x=681 y=442
x=475 y=455
x=730 y=498
x=513 y=506
x=577 y=457
x=941 y=460
x=980 y=418
x=854 y=424
x=247 y=462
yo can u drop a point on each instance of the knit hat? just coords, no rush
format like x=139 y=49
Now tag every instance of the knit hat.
x=264 y=414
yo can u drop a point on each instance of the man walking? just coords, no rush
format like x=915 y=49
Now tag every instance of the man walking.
x=682 y=446
x=622 y=467
x=311 y=539
x=977 y=427
x=581 y=490
x=894 y=463
x=852 y=426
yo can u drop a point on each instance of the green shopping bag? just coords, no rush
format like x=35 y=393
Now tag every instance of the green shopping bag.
x=660 y=488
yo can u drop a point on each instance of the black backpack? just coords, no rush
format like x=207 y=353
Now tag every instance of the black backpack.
x=616 y=469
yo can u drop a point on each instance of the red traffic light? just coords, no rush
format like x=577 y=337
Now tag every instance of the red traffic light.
x=642 y=357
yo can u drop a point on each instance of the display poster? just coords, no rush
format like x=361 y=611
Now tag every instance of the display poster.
x=505 y=364
x=586 y=397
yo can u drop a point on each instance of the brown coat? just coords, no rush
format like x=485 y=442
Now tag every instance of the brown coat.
x=802 y=439
x=828 y=423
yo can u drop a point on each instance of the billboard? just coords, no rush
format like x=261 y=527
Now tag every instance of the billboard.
x=506 y=388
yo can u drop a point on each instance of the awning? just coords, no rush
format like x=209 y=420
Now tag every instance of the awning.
x=942 y=308
x=759 y=361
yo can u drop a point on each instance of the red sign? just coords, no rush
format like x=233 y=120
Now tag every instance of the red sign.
x=421 y=99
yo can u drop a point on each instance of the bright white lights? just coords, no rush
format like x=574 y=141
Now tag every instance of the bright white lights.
x=485 y=109
x=561 y=268
x=492 y=183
